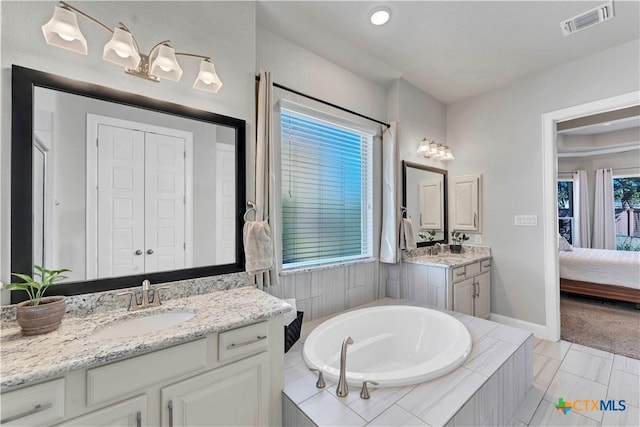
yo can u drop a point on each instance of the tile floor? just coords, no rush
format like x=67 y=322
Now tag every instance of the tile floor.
x=573 y=371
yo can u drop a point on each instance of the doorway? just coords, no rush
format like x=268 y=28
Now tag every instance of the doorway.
x=550 y=201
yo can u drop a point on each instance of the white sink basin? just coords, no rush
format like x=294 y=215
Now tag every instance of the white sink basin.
x=144 y=324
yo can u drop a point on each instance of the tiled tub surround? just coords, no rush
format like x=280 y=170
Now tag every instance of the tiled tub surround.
x=73 y=346
x=486 y=390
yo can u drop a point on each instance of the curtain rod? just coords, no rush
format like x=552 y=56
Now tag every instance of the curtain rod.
x=615 y=169
x=322 y=101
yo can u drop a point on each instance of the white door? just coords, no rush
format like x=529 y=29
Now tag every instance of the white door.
x=120 y=201
x=232 y=395
x=482 y=303
x=465 y=202
x=430 y=195
x=225 y=204
x=164 y=247
x=463 y=297
x=130 y=413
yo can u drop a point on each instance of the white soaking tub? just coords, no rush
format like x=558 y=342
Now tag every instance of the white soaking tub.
x=393 y=345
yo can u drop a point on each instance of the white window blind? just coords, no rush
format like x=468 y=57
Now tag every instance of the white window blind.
x=326 y=191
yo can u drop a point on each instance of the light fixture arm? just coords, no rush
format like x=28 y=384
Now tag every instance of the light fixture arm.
x=193 y=55
x=158 y=45
x=69 y=7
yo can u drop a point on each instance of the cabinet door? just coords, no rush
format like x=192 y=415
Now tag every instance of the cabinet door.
x=130 y=413
x=463 y=297
x=232 y=395
x=465 y=202
x=483 y=299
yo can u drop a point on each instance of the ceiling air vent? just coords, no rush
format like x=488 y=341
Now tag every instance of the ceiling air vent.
x=587 y=19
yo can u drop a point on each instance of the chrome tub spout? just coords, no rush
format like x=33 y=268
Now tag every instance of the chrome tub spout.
x=342 y=390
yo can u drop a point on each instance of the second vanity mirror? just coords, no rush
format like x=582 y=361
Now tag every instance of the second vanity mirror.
x=120 y=188
x=424 y=197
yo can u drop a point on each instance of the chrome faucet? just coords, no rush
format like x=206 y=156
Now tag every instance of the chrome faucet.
x=146 y=300
x=342 y=390
x=436 y=249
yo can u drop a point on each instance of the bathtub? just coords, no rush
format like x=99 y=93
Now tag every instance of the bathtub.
x=393 y=345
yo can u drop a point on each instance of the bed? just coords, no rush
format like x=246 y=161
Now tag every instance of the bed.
x=602 y=273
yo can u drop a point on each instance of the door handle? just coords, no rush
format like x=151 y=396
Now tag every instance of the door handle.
x=138 y=252
x=475 y=219
x=149 y=251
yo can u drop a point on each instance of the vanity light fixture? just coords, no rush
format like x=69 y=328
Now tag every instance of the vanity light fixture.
x=63 y=31
x=433 y=149
x=380 y=15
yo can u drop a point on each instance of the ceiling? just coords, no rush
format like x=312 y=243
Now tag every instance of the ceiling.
x=450 y=49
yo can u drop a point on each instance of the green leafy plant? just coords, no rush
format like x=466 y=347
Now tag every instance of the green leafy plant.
x=431 y=234
x=458 y=238
x=37 y=285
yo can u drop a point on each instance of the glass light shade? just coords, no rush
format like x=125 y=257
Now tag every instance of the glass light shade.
x=165 y=64
x=441 y=151
x=448 y=154
x=433 y=148
x=121 y=50
x=62 y=31
x=207 y=78
x=423 y=148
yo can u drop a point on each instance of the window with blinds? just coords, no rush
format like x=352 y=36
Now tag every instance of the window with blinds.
x=326 y=191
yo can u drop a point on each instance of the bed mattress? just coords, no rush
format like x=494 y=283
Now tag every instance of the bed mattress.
x=601 y=266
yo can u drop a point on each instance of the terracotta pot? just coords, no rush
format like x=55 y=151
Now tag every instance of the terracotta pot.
x=42 y=318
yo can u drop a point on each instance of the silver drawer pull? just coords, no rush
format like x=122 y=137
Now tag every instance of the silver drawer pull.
x=35 y=410
x=242 y=344
x=462 y=273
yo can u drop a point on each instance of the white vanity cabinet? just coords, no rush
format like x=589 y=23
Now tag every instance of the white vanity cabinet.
x=465 y=200
x=471 y=289
x=463 y=288
x=229 y=378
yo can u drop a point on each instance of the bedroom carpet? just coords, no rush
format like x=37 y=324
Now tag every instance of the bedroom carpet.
x=609 y=326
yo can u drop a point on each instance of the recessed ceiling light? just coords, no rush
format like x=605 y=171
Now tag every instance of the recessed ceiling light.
x=380 y=16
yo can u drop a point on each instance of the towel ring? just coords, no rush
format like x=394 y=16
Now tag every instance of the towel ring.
x=403 y=212
x=252 y=209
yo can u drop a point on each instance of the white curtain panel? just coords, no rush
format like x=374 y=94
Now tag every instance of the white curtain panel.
x=390 y=220
x=604 y=227
x=265 y=185
x=581 y=210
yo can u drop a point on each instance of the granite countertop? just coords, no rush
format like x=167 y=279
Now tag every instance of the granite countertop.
x=75 y=346
x=449 y=260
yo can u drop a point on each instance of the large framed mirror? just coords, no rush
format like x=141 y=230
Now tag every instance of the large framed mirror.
x=119 y=188
x=424 y=201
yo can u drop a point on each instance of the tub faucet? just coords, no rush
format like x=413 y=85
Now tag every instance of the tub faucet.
x=342 y=390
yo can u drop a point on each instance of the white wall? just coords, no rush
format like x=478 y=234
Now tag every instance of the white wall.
x=498 y=134
x=224 y=30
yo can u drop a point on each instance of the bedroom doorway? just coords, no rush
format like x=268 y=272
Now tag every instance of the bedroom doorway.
x=550 y=195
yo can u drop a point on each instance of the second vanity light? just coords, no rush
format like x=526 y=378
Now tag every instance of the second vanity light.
x=63 y=31
x=435 y=150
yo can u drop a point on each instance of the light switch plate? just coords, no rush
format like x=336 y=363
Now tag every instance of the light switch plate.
x=525 y=220
x=478 y=239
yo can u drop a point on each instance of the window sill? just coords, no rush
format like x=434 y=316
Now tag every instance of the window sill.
x=307 y=269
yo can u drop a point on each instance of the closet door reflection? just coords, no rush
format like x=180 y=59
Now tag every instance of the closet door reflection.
x=141 y=201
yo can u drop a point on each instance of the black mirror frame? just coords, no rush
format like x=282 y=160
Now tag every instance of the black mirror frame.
x=24 y=81
x=405 y=165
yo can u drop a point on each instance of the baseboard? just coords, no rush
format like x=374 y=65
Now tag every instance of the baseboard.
x=539 y=331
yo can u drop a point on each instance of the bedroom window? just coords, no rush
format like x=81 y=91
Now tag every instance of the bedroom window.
x=626 y=204
x=566 y=219
x=326 y=191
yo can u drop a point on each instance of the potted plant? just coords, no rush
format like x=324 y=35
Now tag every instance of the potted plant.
x=39 y=314
x=457 y=238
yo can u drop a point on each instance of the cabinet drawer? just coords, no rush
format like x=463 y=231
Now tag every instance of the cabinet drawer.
x=117 y=379
x=485 y=265
x=472 y=269
x=40 y=404
x=459 y=274
x=243 y=341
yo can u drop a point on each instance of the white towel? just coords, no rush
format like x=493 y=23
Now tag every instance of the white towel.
x=258 y=248
x=407 y=238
